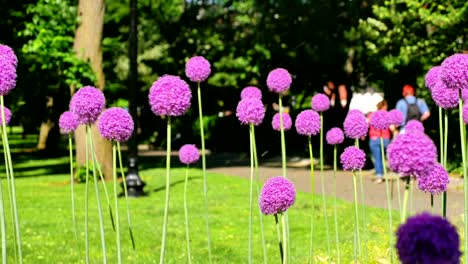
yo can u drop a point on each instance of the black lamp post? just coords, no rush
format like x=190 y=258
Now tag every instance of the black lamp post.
x=134 y=183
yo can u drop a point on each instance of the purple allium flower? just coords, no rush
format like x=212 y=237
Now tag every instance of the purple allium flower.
x=7 y=76
x=380 y=120
x=189 y=154
x=287 y=122
x=353 y=158
x=426 y=238
x=335 y=136
x=197 y=69
x=355 y=124
x=7 y=116
x=454 y=71
x=432 y=77
x=279 y=80
x=320 y=102
x=116 y=124
x=414 y=126
x=411 y=154
x=444 y=97
x=169 y=96
x=87 y=103
x=308 y=123
x=250 y=111
x=465 y=114
x=464 y=94
x=251 y=92
x=68 y=122
x=277 y=195
x=434 y=181
x=7 y=54
x=396 y=117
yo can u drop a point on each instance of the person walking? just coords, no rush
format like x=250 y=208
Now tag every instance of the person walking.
x=411 y=107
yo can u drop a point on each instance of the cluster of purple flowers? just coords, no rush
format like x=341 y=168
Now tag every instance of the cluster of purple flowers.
x=169 y=96
x=434 y=181
x=396 y=117
x=116 y=124
x=189 y=154
x=320 y=102
x=308 y=123
x=8 y=63
x=276 y=122
x=279 y=80
x=380 y=120
x=250 y=110
x=251 y=92
x=68 y=122
x=277 y=195
x=355 y=124
x=335 y=136
x=353 y=158
x=87 y=104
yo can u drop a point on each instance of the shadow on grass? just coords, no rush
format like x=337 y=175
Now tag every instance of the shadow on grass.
x=174 y=183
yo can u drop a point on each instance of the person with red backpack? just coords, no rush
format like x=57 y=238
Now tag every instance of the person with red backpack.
x=411 y=107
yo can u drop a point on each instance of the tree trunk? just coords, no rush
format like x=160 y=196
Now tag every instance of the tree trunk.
x=87 y=45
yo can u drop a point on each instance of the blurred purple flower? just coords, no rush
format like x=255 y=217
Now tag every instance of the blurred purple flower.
x=287 y=122
x=353 y=158
x=7 y=76
x=465 y=114
x=277 y=195
x=251 y=92
x=87 y=103
x=189 y=154
x=197 y=69
x=444 y=97
x=414 y=126
x=320 y=102
x=335 y=136
x=380 y=120
x=396 y=117
x=355 y=124
x=279 y=80
x=169 y=96
x=464 y=94
x=116 y=124
x=454 y=71
x=308 y=123
x=8 y=54
x=434 y=181
x=412 y=154
x=7 y=116
x=68 y=122
x=432 y=77
x=426 y=238
x=250 y=111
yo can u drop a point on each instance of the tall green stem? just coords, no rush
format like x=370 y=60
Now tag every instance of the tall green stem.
x=251 y=193
x=103 y=181
x=116 y=201
x=465 y=173
x=389 y=201
x=285 y=238
x=205 y=180
x=312 y=190
x=283 y=141
x=335 y=211
x=278 y=233
x=98 y=199
x=12 y=215
x=444 y=162
x=12 y=181
x=3 y=226
x=257 y=184
x=356 y=220
x=398 y=192
x=405 y=200
x=441 y=136
x=363 y=209
x=187 y=230
x=322 y=181
x=86 y=195
x=122 y=175
x=168 y=175
x=72 y=186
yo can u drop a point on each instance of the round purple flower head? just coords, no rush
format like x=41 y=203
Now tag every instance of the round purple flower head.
x=432 y=77
x=412 y=154
x=454 y=71
x=116 y=124
x=251 y=92
x=250 y=111
x=7 y=54
x=68 y=122
x=464 y=94
x=7 y=116
x=287 y=122
x=426 y=238
x=169 y=96
x=353 y=158
x=335 y=136
x=434 y=181
x=380 y=120
x=189 y=154
x=396 y=117
x=7 y=76
x=414 y=126
x=197 y=69
x=444 y=97
x=279 y=80
x=87 y=103
x=465 y=114
x=355 y=124
x=308 y=123
x=277 y=195
x=320 y=102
